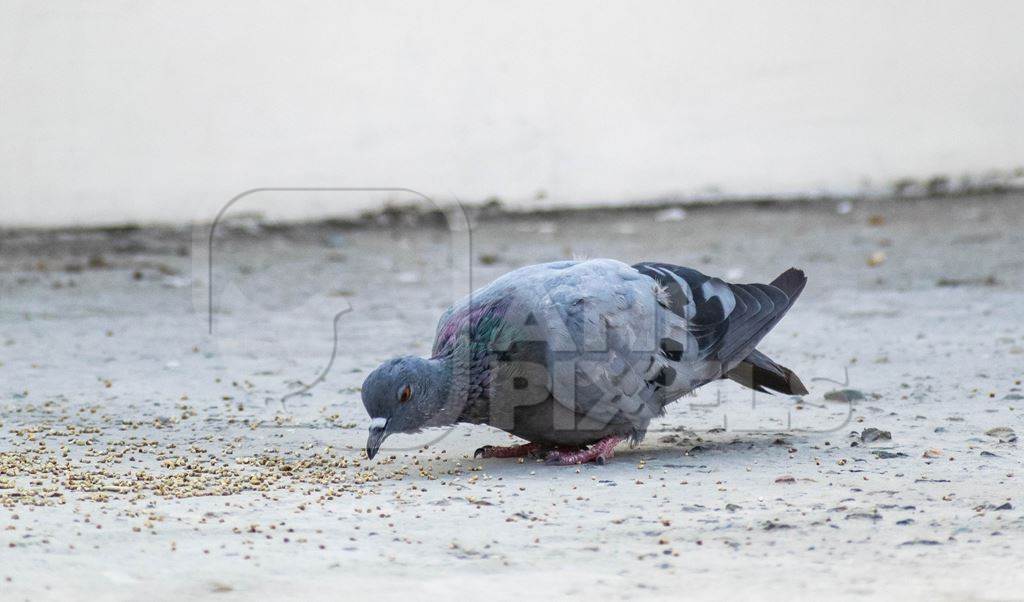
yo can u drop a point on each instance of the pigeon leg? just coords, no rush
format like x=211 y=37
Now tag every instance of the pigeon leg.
x=512 y=451
x=599 y=453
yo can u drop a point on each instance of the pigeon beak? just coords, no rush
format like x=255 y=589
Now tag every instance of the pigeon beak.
x=378 y=432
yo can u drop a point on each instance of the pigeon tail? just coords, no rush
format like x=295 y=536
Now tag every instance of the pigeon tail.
x=757 y=371
x=791 y=282
x=760 y=373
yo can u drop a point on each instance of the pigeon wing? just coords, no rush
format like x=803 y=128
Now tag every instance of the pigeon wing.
x=721 y=322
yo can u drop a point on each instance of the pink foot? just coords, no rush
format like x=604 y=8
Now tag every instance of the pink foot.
x=512 y=451
x=599 y=453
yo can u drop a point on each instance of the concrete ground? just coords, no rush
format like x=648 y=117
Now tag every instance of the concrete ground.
x=142 y=457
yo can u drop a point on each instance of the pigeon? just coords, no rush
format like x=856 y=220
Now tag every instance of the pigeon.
x=576 y=357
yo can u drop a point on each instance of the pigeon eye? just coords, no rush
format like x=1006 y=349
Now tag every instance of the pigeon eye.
x=405 y=394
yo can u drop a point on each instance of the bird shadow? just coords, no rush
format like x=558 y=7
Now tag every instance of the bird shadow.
x=686 y=449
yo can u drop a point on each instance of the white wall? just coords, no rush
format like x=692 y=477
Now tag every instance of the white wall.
x=122 y=110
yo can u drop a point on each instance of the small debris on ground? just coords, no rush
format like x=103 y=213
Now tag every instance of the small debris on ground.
x=845 y=395
x=870 y=435
x=1005 y=434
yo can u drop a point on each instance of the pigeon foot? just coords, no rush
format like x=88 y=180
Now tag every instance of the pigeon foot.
x=511 y=451
x=599 y=453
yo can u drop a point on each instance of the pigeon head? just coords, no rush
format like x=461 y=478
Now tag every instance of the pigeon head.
x=404 y=395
